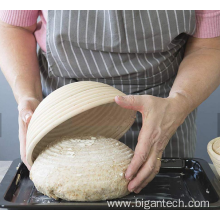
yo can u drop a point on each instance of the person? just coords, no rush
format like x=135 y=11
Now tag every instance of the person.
x=166 y=62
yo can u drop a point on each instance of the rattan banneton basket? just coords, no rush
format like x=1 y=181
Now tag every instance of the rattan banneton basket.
x=76 y=109
x=214 y=153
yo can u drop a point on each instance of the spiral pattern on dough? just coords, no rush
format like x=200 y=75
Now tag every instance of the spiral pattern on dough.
x=82 y=169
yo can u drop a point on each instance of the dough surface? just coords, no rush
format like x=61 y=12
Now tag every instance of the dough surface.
x=82 y=169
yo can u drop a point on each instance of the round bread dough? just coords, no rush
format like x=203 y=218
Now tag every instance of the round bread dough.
x=82 y=169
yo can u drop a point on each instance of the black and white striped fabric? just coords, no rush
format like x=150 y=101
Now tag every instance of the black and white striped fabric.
x=137 y=52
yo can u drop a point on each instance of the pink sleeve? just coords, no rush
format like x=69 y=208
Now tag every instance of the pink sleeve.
x=19 y=17
x=207 y=24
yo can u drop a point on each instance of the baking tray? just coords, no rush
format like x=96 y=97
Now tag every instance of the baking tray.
x=182 y=182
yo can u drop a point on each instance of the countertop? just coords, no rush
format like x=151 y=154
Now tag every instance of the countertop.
x=4 y=165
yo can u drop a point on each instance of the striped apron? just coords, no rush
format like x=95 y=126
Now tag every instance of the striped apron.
x=137 y=52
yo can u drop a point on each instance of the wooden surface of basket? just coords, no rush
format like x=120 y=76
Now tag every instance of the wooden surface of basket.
x=214 y=153
x=76 y=109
